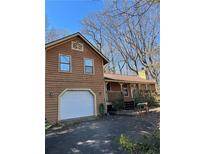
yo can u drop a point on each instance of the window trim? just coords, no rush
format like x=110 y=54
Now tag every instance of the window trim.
x=72 y=42
x=59 y=63
x=93 y=73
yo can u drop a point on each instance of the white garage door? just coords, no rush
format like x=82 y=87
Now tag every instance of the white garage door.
x=74 y=104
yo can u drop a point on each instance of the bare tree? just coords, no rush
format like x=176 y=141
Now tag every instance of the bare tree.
x=52 y=34
x=92 y=28
x=133 y=29
x=121 y=64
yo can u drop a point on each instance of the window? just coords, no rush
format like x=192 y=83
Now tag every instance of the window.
x=64 y=63
x=88 y=66
x=125 y=90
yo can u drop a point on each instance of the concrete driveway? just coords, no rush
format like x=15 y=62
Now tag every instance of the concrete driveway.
x=98 y=136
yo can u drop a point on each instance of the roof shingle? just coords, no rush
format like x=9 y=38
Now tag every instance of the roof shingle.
x=126 y=78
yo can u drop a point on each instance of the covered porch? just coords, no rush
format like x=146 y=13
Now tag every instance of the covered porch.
x=124 y=87
x=115 y=90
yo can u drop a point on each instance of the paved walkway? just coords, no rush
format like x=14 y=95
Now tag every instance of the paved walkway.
x=99 y=136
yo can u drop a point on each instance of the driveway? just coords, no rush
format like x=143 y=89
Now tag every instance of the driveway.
x=98 y=136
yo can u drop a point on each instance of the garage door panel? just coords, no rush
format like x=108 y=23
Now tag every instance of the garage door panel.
x=74 y=104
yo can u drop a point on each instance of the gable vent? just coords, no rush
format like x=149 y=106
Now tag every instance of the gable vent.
x=77 y=46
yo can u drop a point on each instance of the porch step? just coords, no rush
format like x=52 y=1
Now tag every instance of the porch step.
x=129 y=105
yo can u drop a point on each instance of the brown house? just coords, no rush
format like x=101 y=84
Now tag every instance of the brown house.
x=75 y=82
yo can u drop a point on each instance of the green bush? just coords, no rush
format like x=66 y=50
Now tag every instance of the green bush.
x=118 y=104
x=127 y=144
x=150 y=144
x=101 y=109
x=47 y=124
x=138 y=97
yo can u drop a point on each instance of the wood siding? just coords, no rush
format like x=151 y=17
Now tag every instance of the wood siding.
x=56 y=81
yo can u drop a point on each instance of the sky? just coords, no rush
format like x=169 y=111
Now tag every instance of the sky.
x=68 y=13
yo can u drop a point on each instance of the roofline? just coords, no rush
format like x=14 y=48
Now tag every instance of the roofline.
x=124 y=81
x=121 y=74
x=50 y=44
x=60 y=39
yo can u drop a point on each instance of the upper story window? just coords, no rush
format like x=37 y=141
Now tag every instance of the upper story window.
x=88 y=66
x=125 y=90
x=77 y=45
x=64 y=63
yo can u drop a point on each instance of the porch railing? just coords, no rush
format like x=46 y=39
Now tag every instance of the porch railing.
x=113 y=96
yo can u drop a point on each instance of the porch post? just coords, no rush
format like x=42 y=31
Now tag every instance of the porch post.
x=105 y=92
x=133 y=90
x=121 y=89
x=121 y=86
x=105 y=96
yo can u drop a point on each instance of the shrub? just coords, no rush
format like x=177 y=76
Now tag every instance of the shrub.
x=101 y=109
x=47 y=124
x=118 y=104
x=149 y=97
x=138 y=97
x=127 y=144
x=150 y=144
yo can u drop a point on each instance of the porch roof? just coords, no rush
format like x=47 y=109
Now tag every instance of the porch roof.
x=126 y=78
